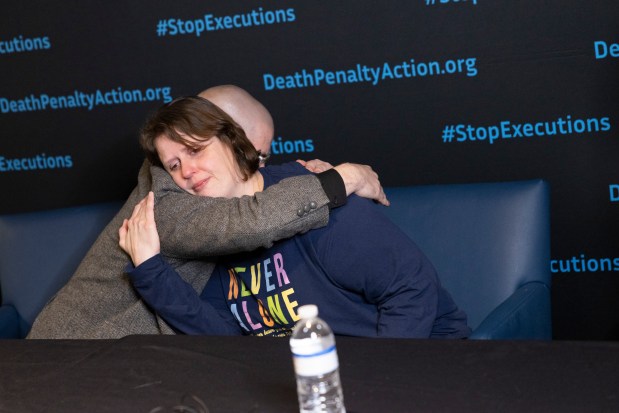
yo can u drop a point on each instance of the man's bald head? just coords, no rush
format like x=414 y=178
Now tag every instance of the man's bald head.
x=253 y=117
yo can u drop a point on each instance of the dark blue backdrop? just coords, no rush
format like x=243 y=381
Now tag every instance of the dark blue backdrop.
x=426 y=91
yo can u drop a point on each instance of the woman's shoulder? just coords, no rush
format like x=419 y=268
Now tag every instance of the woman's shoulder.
x=272 y=174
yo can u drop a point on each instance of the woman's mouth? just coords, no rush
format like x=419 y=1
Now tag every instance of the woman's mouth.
x=199 y=185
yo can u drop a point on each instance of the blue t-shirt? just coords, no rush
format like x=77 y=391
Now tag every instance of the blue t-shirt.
x=364 y=274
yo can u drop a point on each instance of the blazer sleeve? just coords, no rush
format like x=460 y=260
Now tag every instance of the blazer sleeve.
x=192 y=226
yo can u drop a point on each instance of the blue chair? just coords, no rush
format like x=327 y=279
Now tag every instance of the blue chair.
x=490 y=244
x=39 y=252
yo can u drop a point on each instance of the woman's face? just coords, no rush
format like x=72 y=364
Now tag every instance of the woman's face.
x=209 y=171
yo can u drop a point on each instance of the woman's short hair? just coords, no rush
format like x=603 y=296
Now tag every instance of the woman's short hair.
x=199 y=118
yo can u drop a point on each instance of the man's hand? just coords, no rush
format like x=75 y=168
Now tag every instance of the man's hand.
x=138 y=234
x=358 y=179
x=363 y=181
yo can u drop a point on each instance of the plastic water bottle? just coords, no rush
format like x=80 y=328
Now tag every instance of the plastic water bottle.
x=316 y=364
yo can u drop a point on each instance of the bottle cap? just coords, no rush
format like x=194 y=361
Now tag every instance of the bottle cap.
x=307 y=311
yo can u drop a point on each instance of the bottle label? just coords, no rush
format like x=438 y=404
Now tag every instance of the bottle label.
x=314 y=364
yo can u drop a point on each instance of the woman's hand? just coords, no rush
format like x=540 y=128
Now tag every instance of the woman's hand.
x=138 y=234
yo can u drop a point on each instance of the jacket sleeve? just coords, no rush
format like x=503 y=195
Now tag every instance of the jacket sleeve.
x=178 y=303
x=193 y=227
x=363 y=252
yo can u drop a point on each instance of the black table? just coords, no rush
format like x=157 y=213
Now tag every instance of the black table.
x=253 y=374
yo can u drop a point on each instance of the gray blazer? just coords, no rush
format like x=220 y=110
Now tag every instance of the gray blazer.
x=99 y=300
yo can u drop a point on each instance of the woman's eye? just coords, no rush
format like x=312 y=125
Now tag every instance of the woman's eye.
x=197 y=150
x=173 y=167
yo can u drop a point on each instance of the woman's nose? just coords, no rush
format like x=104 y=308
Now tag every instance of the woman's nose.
x=187 y=169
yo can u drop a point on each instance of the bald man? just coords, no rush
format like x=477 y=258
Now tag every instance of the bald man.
x=253 y=117
x=99 y=300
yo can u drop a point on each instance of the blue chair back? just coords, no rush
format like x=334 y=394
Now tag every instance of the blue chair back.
x=490 y=244
x=39 y=252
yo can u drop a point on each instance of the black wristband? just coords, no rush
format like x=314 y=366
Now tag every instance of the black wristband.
x=333 y=185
